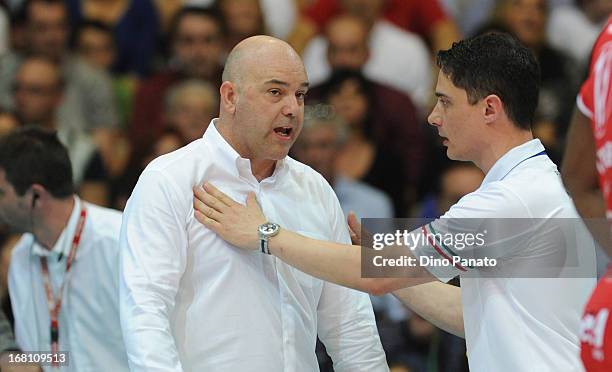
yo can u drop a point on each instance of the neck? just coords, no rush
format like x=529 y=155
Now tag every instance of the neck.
x=53 y=220
x=261 y=168
x=499 y=148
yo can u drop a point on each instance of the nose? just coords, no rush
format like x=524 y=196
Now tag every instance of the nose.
x=292 y=106
x=434 y=117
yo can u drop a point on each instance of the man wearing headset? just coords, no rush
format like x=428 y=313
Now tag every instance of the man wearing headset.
x=63 y=277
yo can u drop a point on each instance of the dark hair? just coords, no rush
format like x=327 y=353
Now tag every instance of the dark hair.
x=32 y=155
x=210 y=12
x=495 y=63
x=335 y=83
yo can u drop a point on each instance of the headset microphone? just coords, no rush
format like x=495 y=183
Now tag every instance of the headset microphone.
x=34 y=199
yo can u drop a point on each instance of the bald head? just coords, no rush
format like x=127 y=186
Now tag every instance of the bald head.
x=253 y=54
x=262 y=100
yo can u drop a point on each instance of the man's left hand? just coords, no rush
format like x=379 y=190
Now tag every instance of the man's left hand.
x=236 y=223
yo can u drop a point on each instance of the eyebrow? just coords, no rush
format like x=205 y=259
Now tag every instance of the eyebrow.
x=304 y=84
x=440 y=94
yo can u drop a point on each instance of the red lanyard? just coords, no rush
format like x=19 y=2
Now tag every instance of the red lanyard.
x=55 y=302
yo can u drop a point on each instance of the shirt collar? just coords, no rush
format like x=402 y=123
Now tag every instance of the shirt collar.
x=63 y=244
x=504 y=165
x=227 y=156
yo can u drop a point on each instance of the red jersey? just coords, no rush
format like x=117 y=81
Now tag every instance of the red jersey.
x=596 y=328
x=595 y=101
x=418 y=16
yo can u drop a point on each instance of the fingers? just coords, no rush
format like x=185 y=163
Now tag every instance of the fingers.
x=353 y=223
x=203 y=200
x=218 y=195
x=208 y=222
x=207 y=211
x=354 y=228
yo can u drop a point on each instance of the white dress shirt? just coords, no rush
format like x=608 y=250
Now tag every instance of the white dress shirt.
x=398 y=59
x=89 y=327
x=192 y=302
x=514 y=321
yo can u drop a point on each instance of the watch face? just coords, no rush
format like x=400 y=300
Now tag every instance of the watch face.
x=268 y=228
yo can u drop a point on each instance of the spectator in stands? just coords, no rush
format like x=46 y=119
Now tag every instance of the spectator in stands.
x=87 y=105
x=279 y=16
x=190 y=106
x=197 y=43
x=362 y=157
x=573 y=28
x=95 y=44
x=135 y=25
x=470 y=15
x=67 y=242
x=39 y=87
x=377 y=47
x=526 y=19
x=456 y=181
x=243 y=19
x=424 y=18
x=319 y=145
x=395 y=121
x=169 y=140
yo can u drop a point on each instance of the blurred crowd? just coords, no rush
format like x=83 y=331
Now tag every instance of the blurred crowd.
x=125 y=81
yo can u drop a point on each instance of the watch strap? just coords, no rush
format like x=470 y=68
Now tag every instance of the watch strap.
x=263 y=244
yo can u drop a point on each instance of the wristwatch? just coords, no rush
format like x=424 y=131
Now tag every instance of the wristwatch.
x=266 y=231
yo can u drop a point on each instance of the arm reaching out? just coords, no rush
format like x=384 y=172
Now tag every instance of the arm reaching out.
x=238 y=224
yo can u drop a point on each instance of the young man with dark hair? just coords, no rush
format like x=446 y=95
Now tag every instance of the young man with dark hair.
x=63 y=278
x=514 y=315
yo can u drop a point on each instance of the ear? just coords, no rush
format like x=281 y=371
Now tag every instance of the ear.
x=493 y=108
x=229 y=97
x=38 y=191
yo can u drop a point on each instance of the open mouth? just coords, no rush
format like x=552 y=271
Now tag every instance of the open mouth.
x=283 y=131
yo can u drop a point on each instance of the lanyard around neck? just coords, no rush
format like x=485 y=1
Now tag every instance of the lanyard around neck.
x=55 y=302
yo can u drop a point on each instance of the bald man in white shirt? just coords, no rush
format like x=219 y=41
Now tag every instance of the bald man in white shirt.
x=192 y=302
